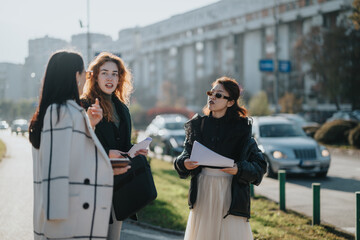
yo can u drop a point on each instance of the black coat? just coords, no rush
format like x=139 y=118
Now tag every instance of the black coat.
x=109 y=135
x=232 y=139
x=112 y=137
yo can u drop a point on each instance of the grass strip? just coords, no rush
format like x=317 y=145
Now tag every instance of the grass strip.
x=170 y=210
x=2 y=149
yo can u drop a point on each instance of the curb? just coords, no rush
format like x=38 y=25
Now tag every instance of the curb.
x=157 y=228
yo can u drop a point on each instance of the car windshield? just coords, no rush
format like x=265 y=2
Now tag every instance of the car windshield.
x=281 y=130
x=174 y=125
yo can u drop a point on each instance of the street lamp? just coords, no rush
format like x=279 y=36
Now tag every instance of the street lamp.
x=88 y=42
x=276 y=57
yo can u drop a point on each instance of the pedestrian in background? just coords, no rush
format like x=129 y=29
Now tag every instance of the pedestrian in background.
x=219 y=199
x=110 y=81
x=72 y=172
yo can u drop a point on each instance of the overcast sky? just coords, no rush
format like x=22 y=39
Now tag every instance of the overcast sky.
x=21 y=20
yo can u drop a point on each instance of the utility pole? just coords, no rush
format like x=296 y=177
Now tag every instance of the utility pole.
x=276 y=57
x=88 y=42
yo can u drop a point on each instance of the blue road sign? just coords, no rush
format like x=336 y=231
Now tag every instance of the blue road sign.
x=266 y=65
x=284 y=66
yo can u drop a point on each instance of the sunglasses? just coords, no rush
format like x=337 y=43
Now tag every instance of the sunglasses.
x=217 y=95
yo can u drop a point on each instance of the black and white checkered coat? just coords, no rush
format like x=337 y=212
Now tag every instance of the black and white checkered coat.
x=73 y=178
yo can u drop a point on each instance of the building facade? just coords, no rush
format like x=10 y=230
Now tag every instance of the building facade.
x=229 y=38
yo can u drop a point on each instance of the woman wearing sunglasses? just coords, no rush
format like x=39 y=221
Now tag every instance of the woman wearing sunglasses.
x=110 y=82
x=219 y=199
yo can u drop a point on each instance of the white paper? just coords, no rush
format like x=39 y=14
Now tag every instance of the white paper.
x=207 y=157
x=141 y=145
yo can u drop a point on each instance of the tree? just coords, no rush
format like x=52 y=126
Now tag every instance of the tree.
x=259 y=105
x=355 y=17
x=290 y=103
x=334 y=58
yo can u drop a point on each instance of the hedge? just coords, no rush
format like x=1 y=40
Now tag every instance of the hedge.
x=335 y=132
x=354 y=136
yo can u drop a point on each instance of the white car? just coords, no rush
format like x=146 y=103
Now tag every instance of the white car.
x=4 y=125
x=286 y=147
x=168 y=134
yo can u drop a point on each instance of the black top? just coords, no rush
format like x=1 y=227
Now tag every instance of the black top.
x=111 y=136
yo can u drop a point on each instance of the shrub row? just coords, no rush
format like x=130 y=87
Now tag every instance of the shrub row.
x=340 y=132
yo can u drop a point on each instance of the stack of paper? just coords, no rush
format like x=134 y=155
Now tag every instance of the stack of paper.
x=141 y=145
x=207 y=157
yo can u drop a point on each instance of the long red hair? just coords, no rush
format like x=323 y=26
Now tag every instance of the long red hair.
x=122 y=91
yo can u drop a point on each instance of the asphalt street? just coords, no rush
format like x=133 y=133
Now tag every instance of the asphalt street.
x=337 y=194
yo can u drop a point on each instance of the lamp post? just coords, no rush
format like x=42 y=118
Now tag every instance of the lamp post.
x=88 y=40
x=276 y=57
x=88 y=33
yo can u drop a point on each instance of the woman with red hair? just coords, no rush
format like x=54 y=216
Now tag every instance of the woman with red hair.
x=110 y=82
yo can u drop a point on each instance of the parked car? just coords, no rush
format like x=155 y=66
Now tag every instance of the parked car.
x=19 y=126
x=286 y=147
x=168 y=134
x=297 y=119
x=345 y=115
x=4 y=125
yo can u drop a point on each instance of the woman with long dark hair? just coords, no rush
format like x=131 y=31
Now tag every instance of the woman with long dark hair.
x=73 y=177
x=219 y=199
x=110 y=81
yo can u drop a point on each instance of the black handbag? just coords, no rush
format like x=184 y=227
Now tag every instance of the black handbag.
x=134 y=189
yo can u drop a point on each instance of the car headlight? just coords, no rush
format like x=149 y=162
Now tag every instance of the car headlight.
x=278 y=155
x=325 y=152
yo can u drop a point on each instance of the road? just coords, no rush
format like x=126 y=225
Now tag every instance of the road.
x=16 y=201
x=337 y=194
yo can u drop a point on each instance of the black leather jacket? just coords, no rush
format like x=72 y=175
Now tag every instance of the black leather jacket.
x=230 y=138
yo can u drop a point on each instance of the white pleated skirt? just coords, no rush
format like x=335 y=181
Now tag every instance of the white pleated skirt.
x=206 y=220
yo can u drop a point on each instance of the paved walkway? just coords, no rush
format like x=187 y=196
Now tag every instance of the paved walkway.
x=16 y=189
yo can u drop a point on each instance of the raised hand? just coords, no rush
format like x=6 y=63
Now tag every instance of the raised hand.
x=95 y=113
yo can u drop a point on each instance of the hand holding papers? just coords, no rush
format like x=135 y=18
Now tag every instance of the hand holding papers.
x=207 y=157
x=141 y=145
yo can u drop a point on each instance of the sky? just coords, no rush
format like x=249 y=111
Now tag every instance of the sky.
x=21 y=20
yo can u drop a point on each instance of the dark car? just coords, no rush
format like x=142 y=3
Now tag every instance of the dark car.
x=345 y=115
x=168 y=134
x=286 y=147
x=19 y=126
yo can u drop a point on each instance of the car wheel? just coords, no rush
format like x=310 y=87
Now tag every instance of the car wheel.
x=321 y=174
x=269 y=173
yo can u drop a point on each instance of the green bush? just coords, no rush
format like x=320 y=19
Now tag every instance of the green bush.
x=259 y=105
x=354 y=136
x=335 y=132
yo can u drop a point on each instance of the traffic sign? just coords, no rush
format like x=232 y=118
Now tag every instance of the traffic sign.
x=266 y=65
x=284 y=66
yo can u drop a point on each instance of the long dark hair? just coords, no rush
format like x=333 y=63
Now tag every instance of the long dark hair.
x=59 y=85
x=233 y=88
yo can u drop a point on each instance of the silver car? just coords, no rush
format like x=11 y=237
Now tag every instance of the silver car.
x=286 y=147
